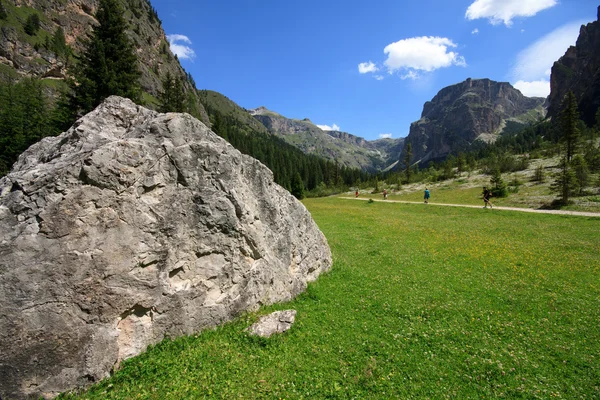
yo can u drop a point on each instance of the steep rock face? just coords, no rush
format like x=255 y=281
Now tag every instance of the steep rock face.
x=342 y=147
x=28 y=56
x=461 y=113
x=130 y=227
x=579 y=71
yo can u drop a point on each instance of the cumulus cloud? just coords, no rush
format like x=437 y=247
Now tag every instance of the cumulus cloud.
x=420 y=54
x=534 y=89
x=182 y=51
x=475 y=31
x=367 y=67
x=385 y=136
x=503 y=11
x=532 y=67
x=329 y=128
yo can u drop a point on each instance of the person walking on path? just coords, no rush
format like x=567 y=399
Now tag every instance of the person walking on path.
x=356 y=194
x=486 y=197
x=426 y=196
x=384 y=194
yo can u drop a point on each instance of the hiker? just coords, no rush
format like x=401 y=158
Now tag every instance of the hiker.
x=356 y=194
x=486 y=197
x=384 y=194
x=426 y=196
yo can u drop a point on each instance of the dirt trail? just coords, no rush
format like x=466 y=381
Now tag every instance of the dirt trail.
x=559 y=212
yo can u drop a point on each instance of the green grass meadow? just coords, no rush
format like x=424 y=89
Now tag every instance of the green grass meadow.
x=422 y=302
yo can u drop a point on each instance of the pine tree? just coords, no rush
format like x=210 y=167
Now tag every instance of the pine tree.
x=499 y=186
x=165 y=97
x=172 y=97
x=178 y=96
x=297 y=186
x=569 y=120
x=32 y=24
x=59 y=44
x=108 y=65
x=565 y=183
x=582 y=172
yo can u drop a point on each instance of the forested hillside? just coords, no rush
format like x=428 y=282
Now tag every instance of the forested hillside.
x=292 y=168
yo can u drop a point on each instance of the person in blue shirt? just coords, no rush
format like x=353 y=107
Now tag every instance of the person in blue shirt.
x=426 y=196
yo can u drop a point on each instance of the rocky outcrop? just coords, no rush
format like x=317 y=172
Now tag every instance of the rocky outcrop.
x=471 y=110
x=130 y=227
x=341 y=147
x=579 y=71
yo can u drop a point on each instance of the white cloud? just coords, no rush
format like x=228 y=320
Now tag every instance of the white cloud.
x=329 y=128
x=503 y=11
x=181 y=50
x=410 y=75
x=534 y=62
x=379 y=77
x=366 y=67
x=539 y=88
x=475 y=31
x=425 y=53
x=385 y=136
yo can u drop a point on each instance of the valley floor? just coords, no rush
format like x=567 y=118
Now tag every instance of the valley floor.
x=541 y=211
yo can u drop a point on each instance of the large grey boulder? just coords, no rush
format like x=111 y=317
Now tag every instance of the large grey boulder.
x=130 y=227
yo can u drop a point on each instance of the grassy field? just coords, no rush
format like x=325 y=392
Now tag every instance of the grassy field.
x=421 y=303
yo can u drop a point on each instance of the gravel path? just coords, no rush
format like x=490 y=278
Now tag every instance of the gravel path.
x=531 y=210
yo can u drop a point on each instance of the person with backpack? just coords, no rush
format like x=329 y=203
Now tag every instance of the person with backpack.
x=486 y=197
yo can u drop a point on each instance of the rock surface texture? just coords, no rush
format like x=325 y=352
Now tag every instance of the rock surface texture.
x=579 y=71
x=276 y=322
x=130 y=227
x=470 y=110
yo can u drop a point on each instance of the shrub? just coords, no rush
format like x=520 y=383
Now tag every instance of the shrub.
x=539 y=175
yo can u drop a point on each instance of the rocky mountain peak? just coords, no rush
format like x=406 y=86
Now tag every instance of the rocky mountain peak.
x=262 y=110
x=461 y=113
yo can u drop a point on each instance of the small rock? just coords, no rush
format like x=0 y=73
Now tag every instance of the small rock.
x=277 y=322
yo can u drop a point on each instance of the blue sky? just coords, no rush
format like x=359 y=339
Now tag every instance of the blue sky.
x=366 y=67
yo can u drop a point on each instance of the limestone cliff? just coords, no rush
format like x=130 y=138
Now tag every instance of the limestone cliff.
x=579 y=71
x=129 y=227
x=471 y=110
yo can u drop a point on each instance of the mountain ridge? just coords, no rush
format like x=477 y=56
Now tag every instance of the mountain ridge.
x=343 y=147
